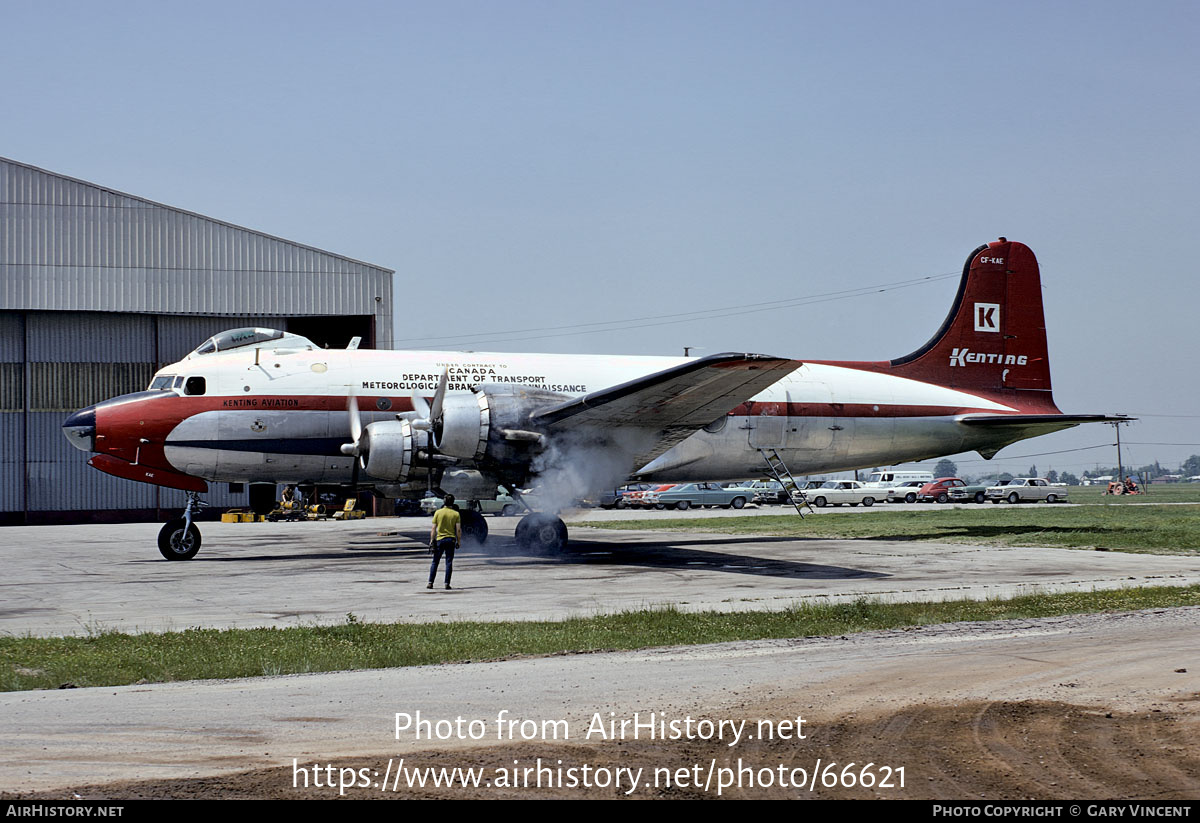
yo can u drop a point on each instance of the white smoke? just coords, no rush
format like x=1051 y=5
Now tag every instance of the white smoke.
x=584 y=463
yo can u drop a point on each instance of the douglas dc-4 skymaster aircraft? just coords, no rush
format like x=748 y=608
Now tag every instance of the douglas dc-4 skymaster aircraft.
x=263 y=406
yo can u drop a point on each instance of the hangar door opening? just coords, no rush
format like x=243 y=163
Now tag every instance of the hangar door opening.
x=335 y=332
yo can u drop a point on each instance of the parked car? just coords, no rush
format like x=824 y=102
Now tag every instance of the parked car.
x=837 y=492
x=641 y=499
x=768 y=491
x=939 y=490
x=1028 y=489
x=607 y=499
x=975 y=493
x=502 y=505
x=905 y=492
x=628 y=490
x=688 y=495
x=408 y=508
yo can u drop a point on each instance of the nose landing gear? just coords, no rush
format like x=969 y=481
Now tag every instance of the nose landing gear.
x=179 y=539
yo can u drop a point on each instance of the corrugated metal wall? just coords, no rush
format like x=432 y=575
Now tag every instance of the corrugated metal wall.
x=12 y=416
x=67 y=245
x=77 y=359
x=60 y=478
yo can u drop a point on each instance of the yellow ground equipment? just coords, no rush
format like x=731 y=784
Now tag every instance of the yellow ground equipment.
x=348 y=512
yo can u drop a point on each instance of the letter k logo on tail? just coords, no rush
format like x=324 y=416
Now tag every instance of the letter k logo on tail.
x=987 y=317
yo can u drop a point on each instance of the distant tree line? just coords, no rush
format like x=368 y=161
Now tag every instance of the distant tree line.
x=1189 y=468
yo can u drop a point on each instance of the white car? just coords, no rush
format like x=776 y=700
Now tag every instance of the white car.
x=1028 y=490
x=905 y=492
x=837 y=492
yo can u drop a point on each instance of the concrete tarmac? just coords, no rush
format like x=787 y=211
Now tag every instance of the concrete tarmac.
x=78 y=579
x=1141 y=662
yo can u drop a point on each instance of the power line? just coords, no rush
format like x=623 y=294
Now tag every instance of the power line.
x=1135 y=443
x=1041 y=454
x=575 y=329
x=1187 y=416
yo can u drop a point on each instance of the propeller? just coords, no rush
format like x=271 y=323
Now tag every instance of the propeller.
x=430 y=416
x=354 y=448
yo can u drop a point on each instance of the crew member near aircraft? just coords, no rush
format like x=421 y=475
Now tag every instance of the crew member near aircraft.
x=444 y=536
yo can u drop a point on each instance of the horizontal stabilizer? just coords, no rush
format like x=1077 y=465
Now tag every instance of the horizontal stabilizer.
x=1056 y=421
x=1023 y=426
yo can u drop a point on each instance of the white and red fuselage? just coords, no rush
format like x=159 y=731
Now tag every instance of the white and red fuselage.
x=275 y=410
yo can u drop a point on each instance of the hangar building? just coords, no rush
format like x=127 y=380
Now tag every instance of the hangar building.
x=99 y=289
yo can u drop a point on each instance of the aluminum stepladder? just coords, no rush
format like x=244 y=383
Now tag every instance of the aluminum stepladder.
x=791 y=488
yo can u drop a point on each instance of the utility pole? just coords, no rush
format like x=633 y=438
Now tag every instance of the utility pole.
x=1116 y=424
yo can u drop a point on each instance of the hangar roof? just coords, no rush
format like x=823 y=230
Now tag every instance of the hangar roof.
x=70 y=245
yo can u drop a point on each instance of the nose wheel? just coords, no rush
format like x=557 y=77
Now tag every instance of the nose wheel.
x=179 y=539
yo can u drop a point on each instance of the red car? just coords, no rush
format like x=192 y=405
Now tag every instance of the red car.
x=939 y=489
x=645 y=499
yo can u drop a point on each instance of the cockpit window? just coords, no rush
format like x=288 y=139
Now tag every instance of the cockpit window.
x=236 y=338
x=195 y=385
x=178 y=382
x=161 y=383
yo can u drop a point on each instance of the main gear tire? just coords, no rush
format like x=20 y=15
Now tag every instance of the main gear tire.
x=474 y=527
x=542 y=533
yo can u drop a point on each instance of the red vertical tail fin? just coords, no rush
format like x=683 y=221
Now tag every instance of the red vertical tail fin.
x=994 y=339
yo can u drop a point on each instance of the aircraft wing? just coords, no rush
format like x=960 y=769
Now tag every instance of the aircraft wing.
x=672 y=403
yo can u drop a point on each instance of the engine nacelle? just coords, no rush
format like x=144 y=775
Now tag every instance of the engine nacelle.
x=465 y=425
x=387 y=449
x=468 y=484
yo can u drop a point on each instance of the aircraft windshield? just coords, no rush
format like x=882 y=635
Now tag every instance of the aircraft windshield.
x=236 y=338
x=161 y=382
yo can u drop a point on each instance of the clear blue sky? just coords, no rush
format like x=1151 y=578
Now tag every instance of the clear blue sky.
x=560 y=163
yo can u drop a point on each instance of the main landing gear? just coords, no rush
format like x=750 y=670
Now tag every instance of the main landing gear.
x=179 y=539
x=541 y=532
x=474 y=527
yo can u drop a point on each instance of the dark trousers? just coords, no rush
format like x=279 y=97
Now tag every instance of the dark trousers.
x=443 y=546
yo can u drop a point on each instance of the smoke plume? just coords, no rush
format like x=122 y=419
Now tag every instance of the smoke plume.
x=582 y=463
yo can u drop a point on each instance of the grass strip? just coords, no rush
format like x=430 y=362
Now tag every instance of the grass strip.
x=113 y=658
x=1157 y=529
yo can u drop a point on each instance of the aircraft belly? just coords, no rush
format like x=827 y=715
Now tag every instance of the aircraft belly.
x=228 y=466
x=812 y=445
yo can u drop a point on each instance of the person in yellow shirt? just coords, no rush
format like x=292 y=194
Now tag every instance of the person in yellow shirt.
x=444 y=537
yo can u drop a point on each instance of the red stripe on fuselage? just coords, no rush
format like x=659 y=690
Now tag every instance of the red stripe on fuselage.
x=121 y=427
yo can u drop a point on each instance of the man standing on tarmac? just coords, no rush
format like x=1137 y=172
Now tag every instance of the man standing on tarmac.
x=444 y=537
